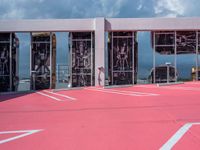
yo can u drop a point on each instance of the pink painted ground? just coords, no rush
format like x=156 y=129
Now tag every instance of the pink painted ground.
x=142 y=117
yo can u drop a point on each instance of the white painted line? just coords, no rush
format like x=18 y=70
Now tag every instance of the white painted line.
x=113 y=92
x=195 y=123
x=52 y=97
x=177 y=136
x=193 y=82
x=65 y=96
x=130 y=92
x=25 y=133
x=184 y=88
x=173 y=88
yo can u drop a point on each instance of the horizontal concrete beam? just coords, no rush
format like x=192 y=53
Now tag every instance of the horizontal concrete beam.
x=46 y=25
x=111 y=24
x=152 y=24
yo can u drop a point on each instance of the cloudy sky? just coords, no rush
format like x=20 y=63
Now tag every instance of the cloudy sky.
x=15 y=9
x=42 y=9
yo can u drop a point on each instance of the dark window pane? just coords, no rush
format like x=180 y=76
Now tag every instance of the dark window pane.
x=4 y=59
x=120 y=58
x=122 y=54
x=161 y=74
x=5 y=37
x=186 y=42
x=165 y=50
x=164 y=39
x=41 y=37
x=41 y=61
x=81 y=35
x=122 y=78
x=82 y=51
x=122 y=33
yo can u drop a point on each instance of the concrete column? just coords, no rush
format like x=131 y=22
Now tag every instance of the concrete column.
x=99 y=26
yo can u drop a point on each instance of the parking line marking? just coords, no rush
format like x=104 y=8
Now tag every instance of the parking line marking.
x=173 y=88
x=113 y=92
x=52 y=97
x=131 y=92
x=25 y=133
x=177 y=136
x=65 y=96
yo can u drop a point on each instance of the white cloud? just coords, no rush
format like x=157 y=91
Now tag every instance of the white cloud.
x=140 y=5
x=169 y=8
x=14 y=14
x=15 y=9
x=110 y=8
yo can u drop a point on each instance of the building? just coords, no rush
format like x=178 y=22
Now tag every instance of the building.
x=95 y=58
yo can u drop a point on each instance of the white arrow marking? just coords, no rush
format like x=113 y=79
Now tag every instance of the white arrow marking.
x=25 y=133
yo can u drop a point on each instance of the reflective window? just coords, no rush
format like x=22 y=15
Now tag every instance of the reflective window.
x=43 y=60
x=82 y=58
x=120 y=58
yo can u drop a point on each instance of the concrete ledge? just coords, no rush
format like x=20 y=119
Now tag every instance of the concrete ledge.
x=117 y=86
x=171 y=83
x=65 y=89
x=17 y=92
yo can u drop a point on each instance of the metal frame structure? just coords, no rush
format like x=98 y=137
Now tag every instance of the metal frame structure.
x=175 y=58
x=32 y=71
x=154 y=52
x=197 y=35
x=10 y=59
x=12 y=54
x=197 y=54
x=71 y=44
x=51 y=59
x=100 y=26
x=125 y=38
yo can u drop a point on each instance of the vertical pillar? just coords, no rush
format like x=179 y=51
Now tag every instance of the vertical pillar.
x=175 y=57
x=112 y=59
x=32 y=78
x=50 y=34
x=154 y=58
x=133 y=57
x=99 y=26
x=197 y=59
x=92 y=58
x=70 y=59
x=197 y=55
x=10 y=65
x=17 y=56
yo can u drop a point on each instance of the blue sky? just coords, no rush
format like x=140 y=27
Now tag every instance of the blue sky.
x=43 y=9
x=17 y=9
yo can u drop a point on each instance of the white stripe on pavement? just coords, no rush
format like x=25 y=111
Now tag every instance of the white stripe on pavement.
x=114 y=92
x=131 y=92
x=177 y=136
x=52 y=97
x=25 y=133
x=65 y=96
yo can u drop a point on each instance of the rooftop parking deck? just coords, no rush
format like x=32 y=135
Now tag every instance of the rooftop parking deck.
x=94 y=118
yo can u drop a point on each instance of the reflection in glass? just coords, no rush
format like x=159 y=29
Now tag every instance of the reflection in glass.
x=82 y=53
x=120 y=58
x=161 y=74
x=41 y=63
x=9 y=46
x=164 y=42
x=186 y=42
